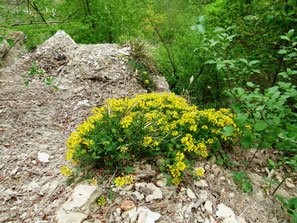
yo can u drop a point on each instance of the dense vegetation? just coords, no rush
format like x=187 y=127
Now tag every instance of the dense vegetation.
x=237 y=54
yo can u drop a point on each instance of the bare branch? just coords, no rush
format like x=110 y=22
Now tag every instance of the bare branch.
x=35 y=23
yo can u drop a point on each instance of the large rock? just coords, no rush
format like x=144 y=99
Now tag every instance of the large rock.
x=76 y=208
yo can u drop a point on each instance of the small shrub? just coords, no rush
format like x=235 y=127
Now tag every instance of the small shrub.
x=149 y=126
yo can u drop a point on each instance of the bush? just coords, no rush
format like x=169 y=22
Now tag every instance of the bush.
x=149 y=126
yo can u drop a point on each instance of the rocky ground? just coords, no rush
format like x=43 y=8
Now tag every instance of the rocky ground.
x=36 y=122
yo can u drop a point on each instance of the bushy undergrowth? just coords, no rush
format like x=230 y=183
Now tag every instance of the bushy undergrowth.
x=149 y=126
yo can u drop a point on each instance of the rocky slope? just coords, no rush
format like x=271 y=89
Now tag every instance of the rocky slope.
x=36 y=122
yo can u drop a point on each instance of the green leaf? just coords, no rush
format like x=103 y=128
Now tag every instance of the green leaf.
x=246 y=142
x=285 y=38
x=271 y=163
x=10 y=42
x=250 y=84
x=281 y=199
x=260 y=125
x=216 y=146
x=1 y=39
x=241 y=118
x=55 y=87
x=27 y=83
x=24 y=76
x=246 y=186
x=219 y=161
x=110 y=194
x=228 y=130
x=199 y=28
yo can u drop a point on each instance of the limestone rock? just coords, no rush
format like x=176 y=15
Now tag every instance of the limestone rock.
x=191 y=194
x=43 y=157
x=147 y=216
x=201 y=184
x=224 y=212
x=157 y=193
x=208 y=206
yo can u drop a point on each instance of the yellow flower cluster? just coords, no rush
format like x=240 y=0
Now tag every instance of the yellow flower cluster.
x=121 y=181
x=66 y=171
x=93 y=181
x=176 y=169
x=165 y=119
x=126 y=122
x=101 y=201
x=123 y=149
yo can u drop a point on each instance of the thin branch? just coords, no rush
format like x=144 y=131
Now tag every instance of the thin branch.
x=34 y=6
x=35 y=23
x=72 y=14
x=12 y=8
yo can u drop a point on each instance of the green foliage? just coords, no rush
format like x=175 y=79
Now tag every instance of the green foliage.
x=242 y=179
x=35 y=70
x=290 y=205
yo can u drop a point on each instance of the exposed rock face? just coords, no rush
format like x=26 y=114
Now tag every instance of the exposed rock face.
x=36 y=121
x=8 y=55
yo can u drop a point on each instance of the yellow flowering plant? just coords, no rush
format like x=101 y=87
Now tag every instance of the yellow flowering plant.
x=150 y=125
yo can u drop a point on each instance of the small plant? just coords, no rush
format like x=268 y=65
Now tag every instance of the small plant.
x=35 y=70
x=101 y=201
x=290 y=205
x=3 y=37
x=151 y=125
x=242 y=179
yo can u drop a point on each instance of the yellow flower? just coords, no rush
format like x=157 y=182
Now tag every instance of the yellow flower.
x=176 y=181
x=200 y=172
x=119 y=181
x=181 y=166
x=101 y=201
x=147 y=81
x=144 y=72
x=126 y=122
x=93 y=181
x=123 y=149
x=66 y=171
x=248 y=126
x=174 y=133
x=204 y=127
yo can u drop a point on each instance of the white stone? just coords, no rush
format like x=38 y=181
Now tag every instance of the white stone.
x=231 y=219
x=147 y=216
x=70 y=217
x=289 y=183
x=82 y=197
x=33 y=185
x=240 y=219
x=138 y=185
x=224 y=212
x=201 y=184
x=128 y=187
x=132 y=214
x=203 y=195
x=191 y=194
x=212 y=220
x=137 y=195
x=161 y=183
x=157 y=193
x=208 y=206
x=43 y=157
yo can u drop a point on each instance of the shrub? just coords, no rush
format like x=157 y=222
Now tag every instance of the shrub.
x=148 y=126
